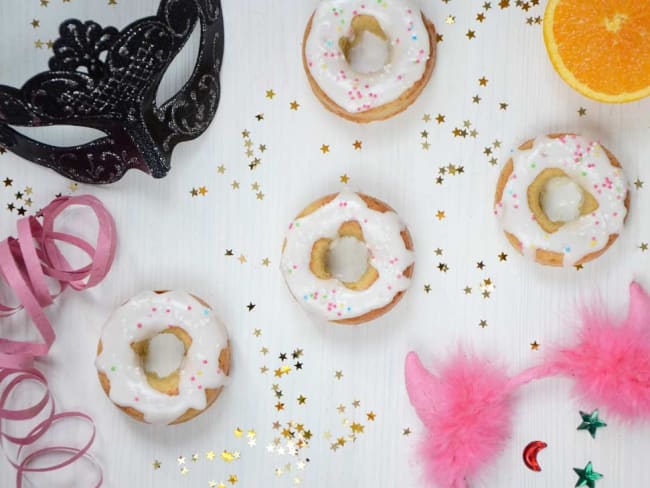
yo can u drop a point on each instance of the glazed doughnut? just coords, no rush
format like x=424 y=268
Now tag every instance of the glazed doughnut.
x=143 y=385
x=368 y=60
x=562 y=199
x=347 y=258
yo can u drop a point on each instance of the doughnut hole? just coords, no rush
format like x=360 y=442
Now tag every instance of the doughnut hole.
x=162 y=356
x=367 y=49
x=344 y=258
x=555 y=199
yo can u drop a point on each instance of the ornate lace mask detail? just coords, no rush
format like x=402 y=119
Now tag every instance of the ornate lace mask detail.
x=107 y=79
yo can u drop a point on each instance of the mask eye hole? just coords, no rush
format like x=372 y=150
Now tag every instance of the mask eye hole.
x=181 y=68
x=60 y=135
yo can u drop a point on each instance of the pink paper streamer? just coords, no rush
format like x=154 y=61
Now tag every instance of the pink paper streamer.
x=25 y=262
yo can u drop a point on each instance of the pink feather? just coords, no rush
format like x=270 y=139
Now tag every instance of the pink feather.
x=610 y=363
x=466 y=409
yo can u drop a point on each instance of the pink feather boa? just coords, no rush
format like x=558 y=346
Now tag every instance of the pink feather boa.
x=466 y=407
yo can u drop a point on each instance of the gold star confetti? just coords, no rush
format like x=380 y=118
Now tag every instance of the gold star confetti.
x=578 y=267
x=480 y=17
x=257 y=332
x=451 y=19
x=235 y=185
x=44 y=3
x=534 y=345
x=38 y=44
x=467 y=290
x=232 y=479
x=483 y=81
x=504 y=4
x=487 y=6
x=184 y=470
x=250 y=306
x=221 y=169
x=483 y=323
x=643 y=246
x=156 y=464
x=270 y=94
x=344 y=179
x=7 y=182
x=294 y=105
x=470 y=34
x=203 y=190
x=357 y=145
x=356 y=403
x=426 y=117
x=371 y=416
x=259 y=117
x=259 y=195
x=210 y=455
x=438 y=251
x=35 y=23
x=301 y=400
x=476 y=99
x=638 y=184
x=181 y=460
x=195 y=458
x=357 y=428
x=440 y=118
x=238 y=432
x=406 y=431
x=582 y=111
x=503 y=256
x=266 y=262
x=503 y=106
x=425 y=146
x=325 y=148
x=440 y=214
x=338 y=375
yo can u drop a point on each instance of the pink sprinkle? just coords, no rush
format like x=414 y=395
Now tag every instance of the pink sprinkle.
x=137 y=399
x=193 y=378
x=189 y=307
x=168 y=310
x=205 y=361
x=153 y=309
x=139 y=325
x=200 y=387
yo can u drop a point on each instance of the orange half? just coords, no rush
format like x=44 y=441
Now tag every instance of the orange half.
x=601 y=47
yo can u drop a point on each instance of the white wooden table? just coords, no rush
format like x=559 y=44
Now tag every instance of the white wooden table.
x=171 y=240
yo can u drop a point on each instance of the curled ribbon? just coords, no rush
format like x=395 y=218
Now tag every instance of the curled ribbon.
x=25 y=264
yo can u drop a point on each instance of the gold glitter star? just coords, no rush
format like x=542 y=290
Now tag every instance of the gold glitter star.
x=503 y=256
x=264 y=369
x=203 y=190
x=426 y=117
x=371 y=416
x=112 y=3
x=406 y=431
x=470 y=34
x=638 y=184
x=338 y=375
x=582 y=111
x=264 y=350
x=232 y=479
x=504 y=4
x=184 y=470
x=301 y=400
x=427 y=288
x=221 y=169
x=257 y=332
x=270 y=94
x=44 y=3
x=238 y=432
x=156 y=464
x=35 y=23
x=181 y=460
x=438 y=251
x=259 y=117
x=8 y=182
x=235 y=185
x=534 y=345
x=262 y=147
x=496 y=143
x=503 y=106
x=451 y=19
x=487 y=6
x=476 y=99
x=483 y=324
x=643 y=246
x=440 y=118
x=344 y=179
x=250 y=306
x=480 y=17
x=38 y=44
x=210 y=455
x=356 y=403
x=483 y=81
x=325 y=148
x=357 y=428
x=195 y=458
x=266 y=262
x=425 y=146
x=294 y=105
x=279 y=406
x=467 y=290
x=357 y=145
x=439 y=37
x=440 y=214
x=259 y=195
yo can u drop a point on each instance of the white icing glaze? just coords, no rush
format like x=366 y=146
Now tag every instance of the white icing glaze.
x=141 y=318
x=387 y=254
x=562 y=199
x=410 y=49
x=588 y=165
x=347 y=259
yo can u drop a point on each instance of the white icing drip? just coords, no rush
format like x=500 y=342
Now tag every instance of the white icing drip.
x=370 y=55
x=410 y=49
x=165 y=355
x=587 y=164
x=347 y=259
x=141 y=318
x=561 y=199
x=388 y=255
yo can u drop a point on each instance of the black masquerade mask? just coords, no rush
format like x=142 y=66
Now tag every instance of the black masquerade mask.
x=107 y=80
